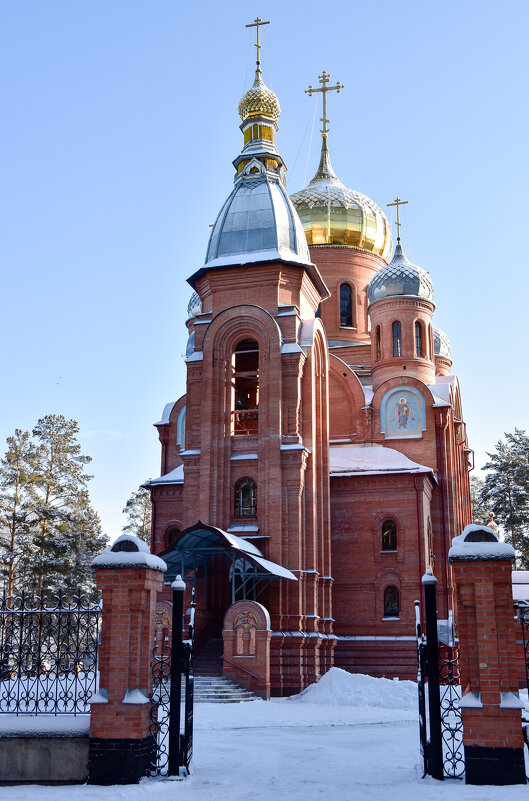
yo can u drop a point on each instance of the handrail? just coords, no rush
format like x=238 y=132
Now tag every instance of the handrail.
x=240 y=668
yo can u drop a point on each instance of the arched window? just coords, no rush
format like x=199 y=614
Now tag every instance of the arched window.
x=418 y=340
x=245 y=500
x=346 y=306
x=172 y=535
x=389 y=535
x=181 y=428
x=391 y=602
x=378 y=343
x=245 y=387
x=397 y=338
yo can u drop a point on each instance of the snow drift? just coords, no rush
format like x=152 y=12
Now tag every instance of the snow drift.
x=338 y=687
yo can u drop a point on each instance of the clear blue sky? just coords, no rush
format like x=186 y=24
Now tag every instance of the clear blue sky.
x=119 y=127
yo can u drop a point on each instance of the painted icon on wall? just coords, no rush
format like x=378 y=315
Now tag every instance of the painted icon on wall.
x=402 y=413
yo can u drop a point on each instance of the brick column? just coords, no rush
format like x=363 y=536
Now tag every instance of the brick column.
x=121 y=745
x=491 y=708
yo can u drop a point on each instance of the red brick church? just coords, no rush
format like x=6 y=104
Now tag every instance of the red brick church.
x=318 y=461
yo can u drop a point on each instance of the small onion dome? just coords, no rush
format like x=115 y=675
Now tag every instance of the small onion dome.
x=257 y=223
x=259 y=101
x=194 y=306
x=441 y=344
x=332 y=214
x=400 y=278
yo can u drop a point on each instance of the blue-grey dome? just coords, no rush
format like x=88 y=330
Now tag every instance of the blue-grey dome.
x=257 y=223
x=194 y=306
x=441 y=344
x=400 y=278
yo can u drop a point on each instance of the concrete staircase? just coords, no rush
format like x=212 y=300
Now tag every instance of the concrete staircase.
x=208 y=662
x=218 y=690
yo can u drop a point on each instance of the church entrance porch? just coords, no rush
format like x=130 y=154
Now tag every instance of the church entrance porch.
x=224 y=570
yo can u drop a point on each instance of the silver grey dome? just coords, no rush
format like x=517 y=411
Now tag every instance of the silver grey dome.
x=194 y=306
x=400 y=278
x=257 y=223
x=441 y=344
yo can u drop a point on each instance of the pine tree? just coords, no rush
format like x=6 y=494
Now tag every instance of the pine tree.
x=476 y=490
x=17 y=478
x=61 y=502
x=506 y=490
x=139 y=514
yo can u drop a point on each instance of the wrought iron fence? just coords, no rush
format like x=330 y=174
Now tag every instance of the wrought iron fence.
x=48 y=653
x=173 y=683
x=451 y=717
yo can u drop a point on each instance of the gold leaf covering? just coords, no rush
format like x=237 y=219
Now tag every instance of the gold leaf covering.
x=259 y=101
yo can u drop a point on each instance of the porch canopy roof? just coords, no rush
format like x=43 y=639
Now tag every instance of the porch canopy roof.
x=201 y=542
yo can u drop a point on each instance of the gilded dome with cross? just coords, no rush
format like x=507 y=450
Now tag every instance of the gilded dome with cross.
x=333 y=214
x=259 y=101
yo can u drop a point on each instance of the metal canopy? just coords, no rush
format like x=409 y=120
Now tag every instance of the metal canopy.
x=249 y=571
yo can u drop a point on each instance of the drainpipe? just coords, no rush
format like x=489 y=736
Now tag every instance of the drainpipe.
x=419 y=540
x=442 y=475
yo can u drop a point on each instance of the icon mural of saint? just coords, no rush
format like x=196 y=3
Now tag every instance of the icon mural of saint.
x=402 y=412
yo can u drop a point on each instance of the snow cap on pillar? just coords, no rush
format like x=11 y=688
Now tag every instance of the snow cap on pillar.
x=479 y=543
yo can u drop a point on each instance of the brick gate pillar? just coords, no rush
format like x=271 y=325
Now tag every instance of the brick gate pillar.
x=491 y=708
x=121 y=745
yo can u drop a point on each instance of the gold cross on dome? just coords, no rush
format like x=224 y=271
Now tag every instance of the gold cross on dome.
x=398 y=202
x=255 y=24
x=324 y=80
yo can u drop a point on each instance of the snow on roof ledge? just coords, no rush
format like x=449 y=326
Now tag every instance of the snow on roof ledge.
x=166 y=414
x=128 y=551
x=351 y=460
x=479 y=543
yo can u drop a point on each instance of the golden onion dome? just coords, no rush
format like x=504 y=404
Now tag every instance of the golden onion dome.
x=332 y=214
x=259 y=101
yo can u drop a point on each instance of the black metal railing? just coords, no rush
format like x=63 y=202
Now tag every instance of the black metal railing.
x=48 y=653
x=439 y=692
x=173 y=666
x=451 y=717
x=521 y=610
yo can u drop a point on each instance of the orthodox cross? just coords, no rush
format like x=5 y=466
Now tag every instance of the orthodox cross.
x=398 y=202
x=324 y=80
x=255 y=24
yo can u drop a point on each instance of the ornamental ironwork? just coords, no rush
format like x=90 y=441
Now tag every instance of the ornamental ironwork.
x=48 y=653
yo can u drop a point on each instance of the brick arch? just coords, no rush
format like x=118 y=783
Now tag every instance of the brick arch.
x=169 y=526
x=404 y=381
x=348 y=389
x=322 y=559
x=222 y=335
x=390 y=577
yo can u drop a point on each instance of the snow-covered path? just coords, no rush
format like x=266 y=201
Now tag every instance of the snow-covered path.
x=336 y=748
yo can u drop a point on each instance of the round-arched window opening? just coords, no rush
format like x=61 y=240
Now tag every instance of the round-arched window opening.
x=391 y=602
x=245 y=498
x=346 y=306
x=172 y=535
x=389 y=535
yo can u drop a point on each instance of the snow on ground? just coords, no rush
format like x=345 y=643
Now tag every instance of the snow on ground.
x=350 y=737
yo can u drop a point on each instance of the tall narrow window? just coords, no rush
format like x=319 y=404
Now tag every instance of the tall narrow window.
x=245 y=387
x=397 y=339
x=378 y=343
x=391 y=602
x=418 y=340
x=181 y=428
x=346 y=306
x=245 y=500
x=389 y=535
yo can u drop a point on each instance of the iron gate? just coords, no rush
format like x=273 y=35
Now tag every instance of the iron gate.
x=172 y=670
x=439 y=691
